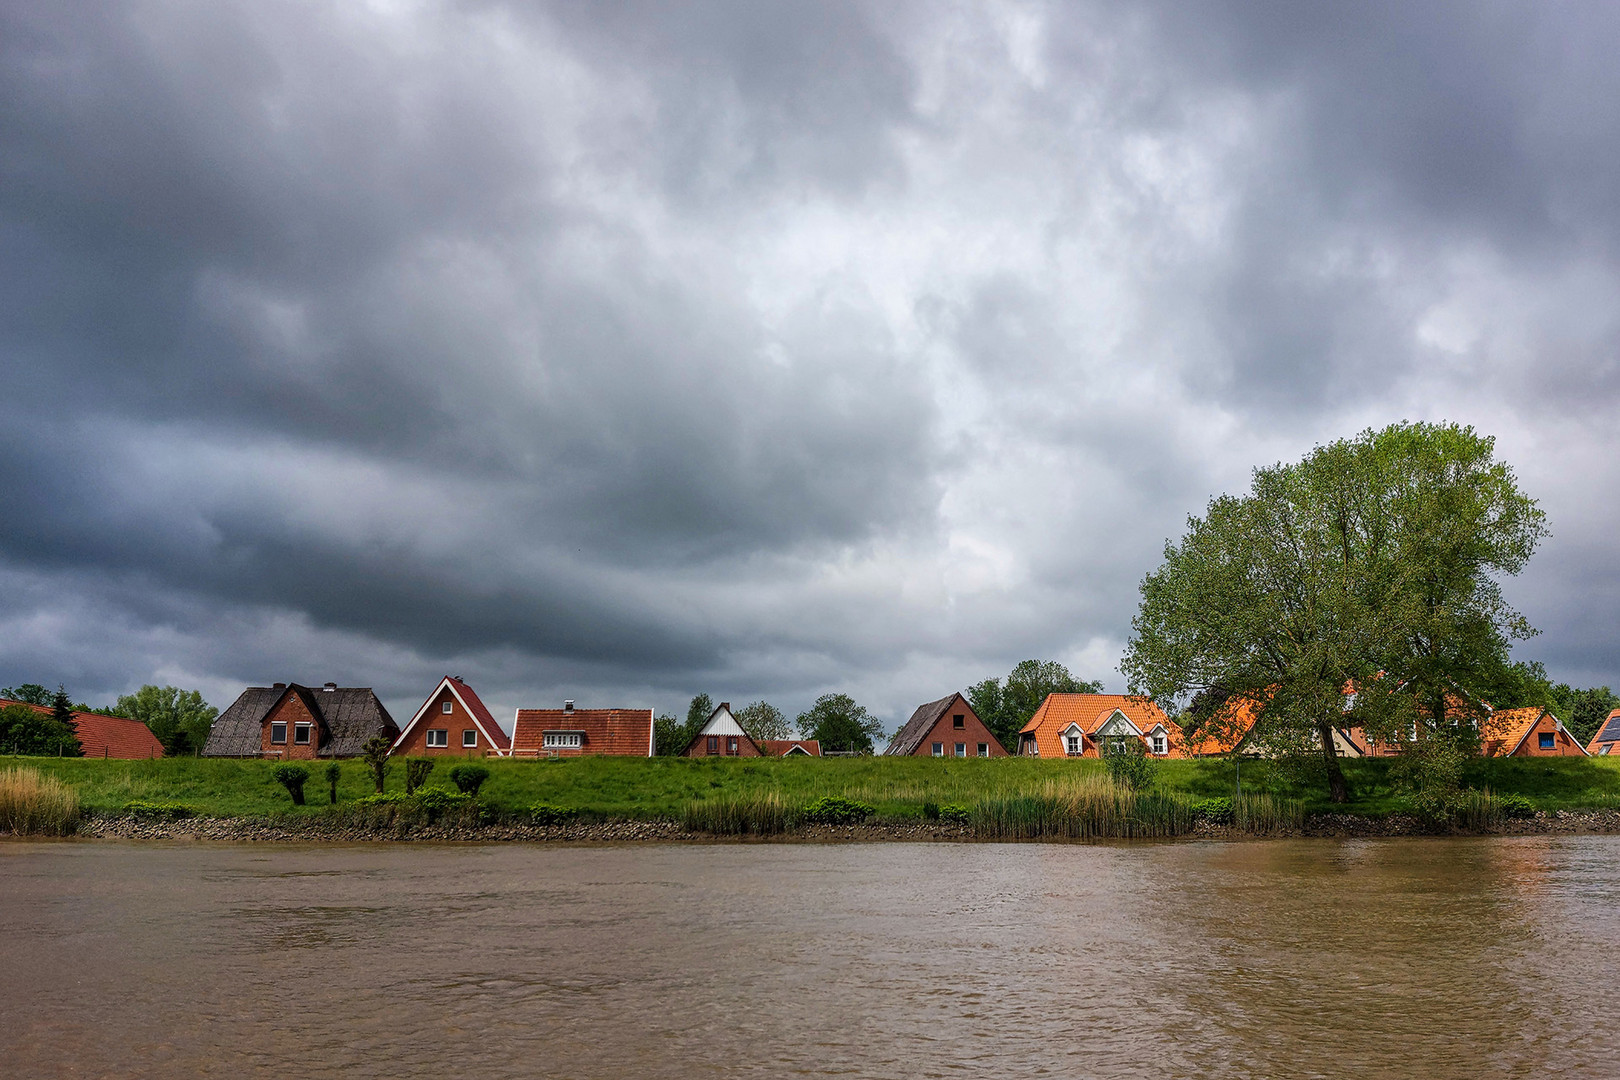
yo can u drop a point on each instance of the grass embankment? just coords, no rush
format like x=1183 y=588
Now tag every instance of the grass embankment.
x=1006 y=796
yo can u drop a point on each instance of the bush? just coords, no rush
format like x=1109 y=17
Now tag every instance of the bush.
x=1214 y=811
x=417 y=770
x=931 y=811
x=954 y=814
x=1128 y=764
x=437 y=800
x=34 y=804
x=391 y=798
x=547 y=814
x=1516 y=806
x=469 y=778
x=334 y=773
x=292 y=777
x=376 y=753
x=154 y=810
x=832 y=810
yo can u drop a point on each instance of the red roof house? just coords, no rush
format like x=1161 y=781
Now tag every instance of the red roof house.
x=790 y=747
x=945 y=728
x=1076 y=725
x=106 y=736
x=1529 y=732
x=1607 y=738
x=453 y=720
x=571 y=732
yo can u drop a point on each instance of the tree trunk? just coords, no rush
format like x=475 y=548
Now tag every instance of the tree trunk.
x=1338 y=791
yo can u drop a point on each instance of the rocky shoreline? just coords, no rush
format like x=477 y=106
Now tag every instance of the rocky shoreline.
x=318 y=830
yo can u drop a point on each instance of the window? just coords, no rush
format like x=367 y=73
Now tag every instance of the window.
x=731 y=745
x=301 y=734
x=1545 y=740
x=1071 y=743
x=469 y=737
x=445 y=707
x=959 y=720
x=438 y=736
x=1158 y=742
x=278 y=733
x=961 y=749
x=939 y=749
x=984 y=749
x=714 y=744
x=562 y=740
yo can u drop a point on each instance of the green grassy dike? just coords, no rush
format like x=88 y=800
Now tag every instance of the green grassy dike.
x=897 y=788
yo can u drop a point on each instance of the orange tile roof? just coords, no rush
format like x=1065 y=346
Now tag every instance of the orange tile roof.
x=1227 y=729
x=626 y=732
x=1090 y=712
x=106 y=736
x=1505 y=730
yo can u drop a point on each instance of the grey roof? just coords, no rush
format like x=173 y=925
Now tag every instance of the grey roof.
x=922 y=721
x=350 y=715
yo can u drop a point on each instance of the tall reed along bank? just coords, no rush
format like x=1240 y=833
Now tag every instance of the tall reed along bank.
x=606 y=799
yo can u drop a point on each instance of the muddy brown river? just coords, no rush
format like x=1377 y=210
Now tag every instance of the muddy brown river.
x=1388 y=958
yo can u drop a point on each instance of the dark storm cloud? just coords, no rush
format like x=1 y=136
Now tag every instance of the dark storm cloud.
x=637 y=349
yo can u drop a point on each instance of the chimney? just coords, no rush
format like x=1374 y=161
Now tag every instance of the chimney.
x=331 y=686
x=726 y=705
x=278 y=686
x=568 y=706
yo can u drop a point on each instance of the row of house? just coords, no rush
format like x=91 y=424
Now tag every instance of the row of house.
x=288 y=721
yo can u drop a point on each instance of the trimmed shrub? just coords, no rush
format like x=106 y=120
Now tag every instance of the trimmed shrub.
x=34 y=804
x=292 y=777
x=469 y=778
x=1516 y=806
x=955 y=814
x=154 y=810
x=547 y=814
x=436 y=801
x=832 y=810
x=417 y=770
x=376 y=753
x=334 y=773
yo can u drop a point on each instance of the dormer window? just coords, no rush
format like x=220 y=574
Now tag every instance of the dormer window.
x=1159 y=743
x=1074 y=743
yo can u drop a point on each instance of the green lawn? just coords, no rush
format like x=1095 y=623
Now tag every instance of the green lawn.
x=662 y=787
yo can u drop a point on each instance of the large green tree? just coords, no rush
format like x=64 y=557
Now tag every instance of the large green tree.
x=1360 y=585
x=32 y=693
x=180 y=719
x=840 y=725
x=28 y=731
x=762 y=720
x=1006 y=707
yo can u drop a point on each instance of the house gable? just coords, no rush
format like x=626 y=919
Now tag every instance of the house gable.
x=722 y=736
x=951 y=725
x=465 y=718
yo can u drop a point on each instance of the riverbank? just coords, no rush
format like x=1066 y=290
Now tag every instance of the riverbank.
x=286 y=829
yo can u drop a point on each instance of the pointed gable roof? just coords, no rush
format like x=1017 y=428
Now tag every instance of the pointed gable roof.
x=1090 y=712
x=1507 y=729
x=470 y=701
x=915 y=730
x=350 y=715
x=1607 y=732
x=722 y=721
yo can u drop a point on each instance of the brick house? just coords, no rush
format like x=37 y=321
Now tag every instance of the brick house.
x=790 y=747
x=1529 y=732
x=722 y=736
x=1607 y=737
x=105 y=736
x=453 y=720
x=1078 y=725
x=945 y=728
x=290 y=722
x=571 y=732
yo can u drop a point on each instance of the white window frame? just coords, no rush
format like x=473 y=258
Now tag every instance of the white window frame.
x=303 y=733
x=939 y=749
x=281 y=741
x=1161 y=743
x=466 y=743
x=1074 y=745
x=446 y=707
x=438 y=737
x=961 y=749
x=984 y=749
x=562 y=740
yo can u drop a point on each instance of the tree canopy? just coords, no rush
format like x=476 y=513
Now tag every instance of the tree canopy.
x=28 y=731
x=840 y=725
x=1006 y=707
x=1361 y=585
x=762 y=720
x=179 y=719
x=32 y=693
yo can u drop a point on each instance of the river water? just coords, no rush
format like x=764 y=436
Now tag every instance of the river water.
x=1387 y=958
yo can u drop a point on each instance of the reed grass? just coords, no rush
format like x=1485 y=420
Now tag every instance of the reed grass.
x=33 y=804
x=1086 y=807
x=764 y=814
x=1264 y=814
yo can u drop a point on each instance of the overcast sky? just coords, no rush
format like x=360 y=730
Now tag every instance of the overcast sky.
x=622 y=351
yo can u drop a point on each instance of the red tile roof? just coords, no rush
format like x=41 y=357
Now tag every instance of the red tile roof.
x=625 y=732
x=780 y=747
x=107 y=736
x=475 y=705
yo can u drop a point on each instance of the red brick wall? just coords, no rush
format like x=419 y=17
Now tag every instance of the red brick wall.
x=745 y=747
x=1563 y=745
x=456 y=721
x=973 y=732
x=292 y=711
